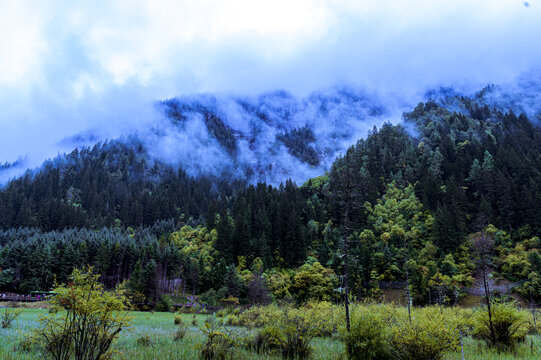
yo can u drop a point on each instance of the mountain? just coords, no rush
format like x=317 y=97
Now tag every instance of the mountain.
x=413 y=196
x=276 y=135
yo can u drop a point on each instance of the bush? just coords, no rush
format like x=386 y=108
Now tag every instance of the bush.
x=145 y=340
x=510 y=326
x=219 y=343
x=259 y=316
x=426 y=338
x=222 y=313
x=268 y=339
x=181 y=332
x=84 y=319
x=9 y=315
x=178 y=320
x=297 y=337
x=324 y=317
x=25 y=345
x=457 y=317
x=163 y=304
x=368 y=337
x=233 y=320
x=290 y=336
x=212 y=297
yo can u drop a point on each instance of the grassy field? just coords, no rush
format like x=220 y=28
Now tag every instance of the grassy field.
x=160 y=328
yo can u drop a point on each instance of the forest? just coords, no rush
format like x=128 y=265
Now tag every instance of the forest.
x=407 y=202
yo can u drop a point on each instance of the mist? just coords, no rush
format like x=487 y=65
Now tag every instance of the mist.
x=72 y=74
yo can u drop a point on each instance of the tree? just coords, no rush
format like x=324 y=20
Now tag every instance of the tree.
x=314 y=282
x=150 y=281
x=233 y=282
x=84 y=319
x=258 y=292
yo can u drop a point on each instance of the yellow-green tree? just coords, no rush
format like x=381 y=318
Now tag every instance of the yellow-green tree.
x=197 y=243
x=314 y=281
x=84 y=320
x=398 y=218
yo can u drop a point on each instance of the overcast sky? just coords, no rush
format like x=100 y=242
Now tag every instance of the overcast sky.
x=70 y=66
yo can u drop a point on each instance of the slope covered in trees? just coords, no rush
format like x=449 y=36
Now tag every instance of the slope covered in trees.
x=114 y=183
x=414 y=198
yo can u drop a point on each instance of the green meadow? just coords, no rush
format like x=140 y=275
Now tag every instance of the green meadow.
x=158 y=330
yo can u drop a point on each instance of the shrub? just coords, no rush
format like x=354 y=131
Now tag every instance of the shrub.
x=368 y=337
x=9 y=315
x=290 y=336
x=457 y=317
x=510 y=326
x=268 y=339
x=25 y=345
x=426 y=338
x=178 y=320
x=211 y=320
x=181 y=332
x=145 y=340
x=324 y=317
x=233 y=320
x=259 y=316
x=219 y=343
x=297 y=337
x=84 y=319
x=163 y=304
x=222 y=313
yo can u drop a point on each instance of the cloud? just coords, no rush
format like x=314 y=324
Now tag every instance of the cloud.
x=72 y=67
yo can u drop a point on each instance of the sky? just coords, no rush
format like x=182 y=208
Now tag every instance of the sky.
x=69 y=67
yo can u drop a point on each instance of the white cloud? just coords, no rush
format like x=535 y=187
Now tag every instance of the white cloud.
x=68 y=66
x=21 y=42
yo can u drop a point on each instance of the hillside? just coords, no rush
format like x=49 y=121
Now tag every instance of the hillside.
x=415 y=194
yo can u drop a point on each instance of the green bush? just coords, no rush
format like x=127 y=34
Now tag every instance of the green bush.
x=368 y=337
x=181 y=331
x=461 y=318
x=324 y=317
x=233 y=320
x=510 y=326
x=297 y=335
x=289 y=335
x=425 y=338
x=163 y=304
x=268 y=339
x=219 y=344
x=145 y=340
x=222 y=313
x=9 y=315
x=25 y=345
x=84 y=320
x=178 y=320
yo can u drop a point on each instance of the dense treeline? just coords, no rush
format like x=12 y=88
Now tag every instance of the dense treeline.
x=110 y=184
x=408 y=197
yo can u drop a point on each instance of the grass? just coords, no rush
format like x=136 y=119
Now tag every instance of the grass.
x=160 y=328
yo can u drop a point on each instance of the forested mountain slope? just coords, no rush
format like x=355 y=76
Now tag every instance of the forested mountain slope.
x=112 y=183
x=413 y=197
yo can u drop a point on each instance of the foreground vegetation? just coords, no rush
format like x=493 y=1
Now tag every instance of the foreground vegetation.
x=153 y=336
